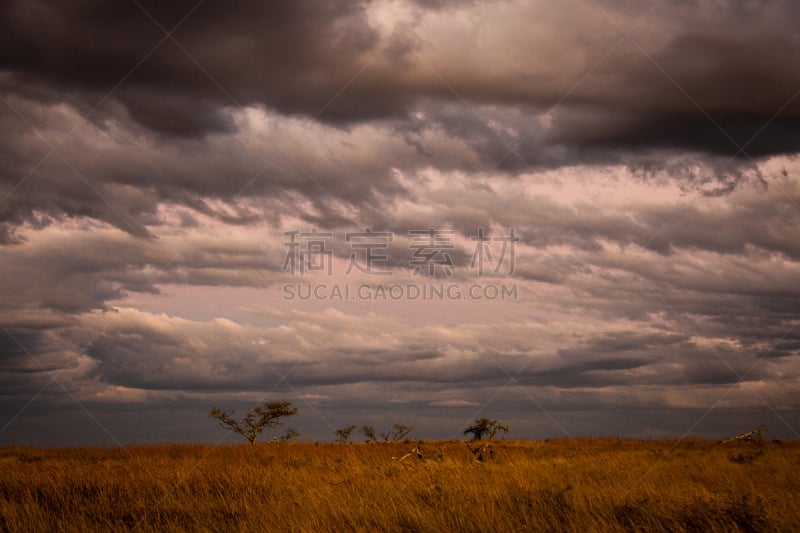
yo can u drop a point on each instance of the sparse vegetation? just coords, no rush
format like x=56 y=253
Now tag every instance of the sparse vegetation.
x=485 y=427
x=369 y=433
x=343 y=434
x=561 y=485
x=290 y=435
x=397 y=433
x=256 y=420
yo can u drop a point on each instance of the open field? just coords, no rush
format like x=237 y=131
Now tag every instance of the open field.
x=561 y=485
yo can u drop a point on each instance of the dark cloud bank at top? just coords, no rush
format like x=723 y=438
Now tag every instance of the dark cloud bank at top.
x=548 y=85
x=736 y=61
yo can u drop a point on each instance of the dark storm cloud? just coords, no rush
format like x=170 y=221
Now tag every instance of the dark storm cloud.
x=273 y=52
x=221 y=355
x=16 y=345
x=146 y=359
x=170 y=134
x=34 y=354
x=734 y=66
x=81 y=271
x=756 y=217
x=348 y=115
x=149 y=352
x=121 y=177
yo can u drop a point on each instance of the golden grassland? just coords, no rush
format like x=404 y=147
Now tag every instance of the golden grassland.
x=584 y=484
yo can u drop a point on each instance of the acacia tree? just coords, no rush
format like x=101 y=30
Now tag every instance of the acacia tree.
x=289 y=436
x=343 y=434
x=485 y=427
x=398 y=432
x=256 y=419
x=368 y=432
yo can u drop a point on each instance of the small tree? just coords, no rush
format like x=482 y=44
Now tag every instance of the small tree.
x=289 y=436
x=485 y=427
x=343 y=434
x=368 y=432
x=256 y=419
x=398 y=432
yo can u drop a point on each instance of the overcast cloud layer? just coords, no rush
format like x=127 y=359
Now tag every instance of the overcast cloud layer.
x=645 y=154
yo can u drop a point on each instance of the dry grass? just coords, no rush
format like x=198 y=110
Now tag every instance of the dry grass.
x=563 y=485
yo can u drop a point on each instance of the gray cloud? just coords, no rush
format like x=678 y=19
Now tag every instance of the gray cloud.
x=658 y=263
x=295 y=57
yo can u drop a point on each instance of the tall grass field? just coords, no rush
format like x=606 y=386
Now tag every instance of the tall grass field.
x=580 y=485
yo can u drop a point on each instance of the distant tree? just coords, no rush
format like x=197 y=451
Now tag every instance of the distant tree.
x=398 y=432
x=485 y=427
x=256 y=419
x=343 y=434
x=289 y=436
x=368 y=432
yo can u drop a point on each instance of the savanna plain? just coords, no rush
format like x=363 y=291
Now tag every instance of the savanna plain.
x=583 y=484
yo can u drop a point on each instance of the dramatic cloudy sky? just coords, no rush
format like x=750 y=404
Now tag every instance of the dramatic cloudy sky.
x=645 y=153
